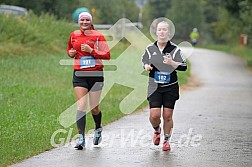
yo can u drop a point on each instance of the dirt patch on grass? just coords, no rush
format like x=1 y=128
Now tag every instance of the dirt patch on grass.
x=193 y=83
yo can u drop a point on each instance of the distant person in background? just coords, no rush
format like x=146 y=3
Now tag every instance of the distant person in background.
x=162 y=59
x=88 y=47
x=194 y=36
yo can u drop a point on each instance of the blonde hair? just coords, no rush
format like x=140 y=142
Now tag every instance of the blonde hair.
x=164 y=22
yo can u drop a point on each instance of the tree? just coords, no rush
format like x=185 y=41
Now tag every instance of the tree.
x=186 y=15
x=108 y=12
x=235 y=19
x=158 y=8
x=212 y=10
x=246 y=15
x=59 y=8
x=232 y=6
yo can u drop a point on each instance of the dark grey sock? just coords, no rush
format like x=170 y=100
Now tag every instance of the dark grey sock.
x=81 y=121
x=167 y=137
x=97 y=119
x=156 y=128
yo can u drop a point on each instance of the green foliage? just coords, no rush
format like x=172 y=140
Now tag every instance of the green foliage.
x=233 y=7
x=159 y=8
x=246 y=15
x=211 y=10
x=228 y=29
x=216 y=20
x=109 y=12
x=186 y=15
x=105 y=11
x=59 y=8
x=211 y=13
x=235 y=19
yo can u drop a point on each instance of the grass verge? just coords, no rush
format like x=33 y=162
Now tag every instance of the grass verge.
x=239 y=50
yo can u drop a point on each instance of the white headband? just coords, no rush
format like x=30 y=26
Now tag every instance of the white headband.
x=85 y=14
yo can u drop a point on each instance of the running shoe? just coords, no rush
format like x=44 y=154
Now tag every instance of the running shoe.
x=156 y=137
x=166 y=146
x=81 y=143
x=97 y=136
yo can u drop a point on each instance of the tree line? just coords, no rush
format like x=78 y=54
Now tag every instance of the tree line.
x=217 y=20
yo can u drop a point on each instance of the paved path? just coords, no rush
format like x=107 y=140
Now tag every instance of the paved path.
x=213 y=126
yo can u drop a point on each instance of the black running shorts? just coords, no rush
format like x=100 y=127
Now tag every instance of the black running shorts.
x=163 y=96
x=93 y=81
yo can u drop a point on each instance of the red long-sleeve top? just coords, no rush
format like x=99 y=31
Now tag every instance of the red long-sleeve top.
x=96 y=41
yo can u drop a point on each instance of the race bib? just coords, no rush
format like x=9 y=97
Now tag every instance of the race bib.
x=87 y=62
x=161 y=77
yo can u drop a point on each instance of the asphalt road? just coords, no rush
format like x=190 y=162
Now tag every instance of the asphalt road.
x=212 y=125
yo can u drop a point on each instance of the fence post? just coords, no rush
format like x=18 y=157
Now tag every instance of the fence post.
x=244 y=39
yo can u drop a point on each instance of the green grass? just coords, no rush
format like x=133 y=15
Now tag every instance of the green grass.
x=33 y=34
x=34 y=90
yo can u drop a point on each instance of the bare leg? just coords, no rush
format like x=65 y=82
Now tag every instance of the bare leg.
x=94 y=100
x=81 y=97
x=168 y=122
x=155 y=114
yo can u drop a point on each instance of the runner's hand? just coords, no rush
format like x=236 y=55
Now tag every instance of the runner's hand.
x=167 y=59
x=72 y=53
x=147 y=67
x=86 y=48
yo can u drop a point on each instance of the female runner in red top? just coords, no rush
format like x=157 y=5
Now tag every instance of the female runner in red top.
x=88 y=47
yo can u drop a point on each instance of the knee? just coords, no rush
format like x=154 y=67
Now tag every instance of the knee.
x=167 y=117
x=95 y=111
x=154 y=117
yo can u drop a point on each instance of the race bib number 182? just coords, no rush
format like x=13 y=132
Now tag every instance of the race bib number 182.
x=161 y=77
